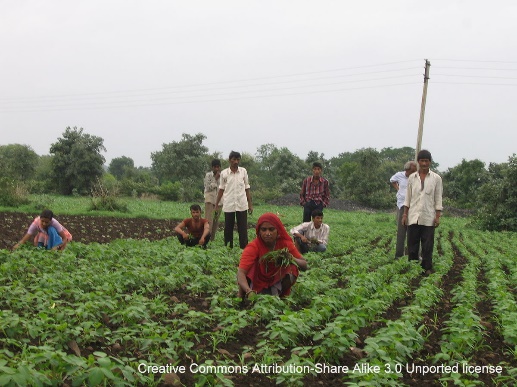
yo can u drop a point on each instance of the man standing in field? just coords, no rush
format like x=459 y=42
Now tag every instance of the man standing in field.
x=234 y=189
x=422 y=211
x=211 y=183
x=315 y=192
x=399 y=182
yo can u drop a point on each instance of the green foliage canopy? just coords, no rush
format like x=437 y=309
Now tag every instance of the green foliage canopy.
x=121 y=166
x=77 y=161
x=184 y=161
x=498 y=197
x=462 y=182
x=280 y=168
x=18 y=162
x=179 y=159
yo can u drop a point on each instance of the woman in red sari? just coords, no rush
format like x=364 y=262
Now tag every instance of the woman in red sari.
x=254 y=276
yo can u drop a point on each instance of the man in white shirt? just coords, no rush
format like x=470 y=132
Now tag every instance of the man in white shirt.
x=399 y=182
x=211 y=183
x=422 y=210
x=234 y=189
x=311 y=236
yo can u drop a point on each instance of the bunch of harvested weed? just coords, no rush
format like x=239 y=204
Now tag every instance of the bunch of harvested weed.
x=281 y=258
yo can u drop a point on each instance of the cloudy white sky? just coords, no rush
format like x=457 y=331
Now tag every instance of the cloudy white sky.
x=328 y=76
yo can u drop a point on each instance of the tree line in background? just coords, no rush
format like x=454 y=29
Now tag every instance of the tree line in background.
x=75 y=166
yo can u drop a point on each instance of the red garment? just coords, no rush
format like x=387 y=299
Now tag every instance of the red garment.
x=263 y=277
x=195 y=230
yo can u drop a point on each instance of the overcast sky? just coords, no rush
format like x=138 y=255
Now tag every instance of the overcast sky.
x=326 y=76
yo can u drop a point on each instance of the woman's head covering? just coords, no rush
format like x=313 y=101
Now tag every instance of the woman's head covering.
x=275 y=221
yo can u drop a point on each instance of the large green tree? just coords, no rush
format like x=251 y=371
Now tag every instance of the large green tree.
x=498 y=197
x=364 y=175
x=462 y=182
x=183 y=161
x=280 y=168
x=43 y=181
x=121 y=166
x=77 y=161
x=398 y=155
x=278 y=172
x=19 y=162
x=179 y=159
x=366 y=184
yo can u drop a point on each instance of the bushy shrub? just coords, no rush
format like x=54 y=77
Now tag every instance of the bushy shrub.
x=104 y=200
x=264 y=195
x=498 y=198
x=136 y=189
x=13 y=193
x=110 y=182
x=169 y=191
x=41 y=202
x=191 y=190
x=107 y=203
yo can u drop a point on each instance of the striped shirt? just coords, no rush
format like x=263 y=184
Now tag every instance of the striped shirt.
x=317 y=190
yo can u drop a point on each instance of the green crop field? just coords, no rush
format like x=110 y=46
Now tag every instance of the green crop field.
x=134 y=312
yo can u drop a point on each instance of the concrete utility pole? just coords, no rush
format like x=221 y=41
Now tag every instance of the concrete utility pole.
x=422 y=109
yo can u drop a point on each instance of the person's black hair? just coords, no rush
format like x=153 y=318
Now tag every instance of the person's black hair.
x=316 y=213
x=424 y=154
x=216 y=163
x=47 y=214
x=234 y=154
x=317 y=165
x=195 y=207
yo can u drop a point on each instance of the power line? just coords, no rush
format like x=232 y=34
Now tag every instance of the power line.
x=475 y=61
x=475 y=83
x=163 y=89
x=472 y=76
x=58 y=108
x=243 y=88
x=88 y=96
x=476 y=68
x=121 y=99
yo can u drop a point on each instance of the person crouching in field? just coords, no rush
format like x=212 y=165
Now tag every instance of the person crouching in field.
x=46 y=232
x=311 y=236
x=261 y=270
x=198 y=229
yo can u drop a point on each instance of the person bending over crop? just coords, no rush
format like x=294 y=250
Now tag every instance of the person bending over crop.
x=270 y=263
x=198 y=229
x=46 y=232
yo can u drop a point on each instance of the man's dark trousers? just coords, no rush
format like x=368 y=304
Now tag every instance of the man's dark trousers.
x=424 y=235
x=310 y=206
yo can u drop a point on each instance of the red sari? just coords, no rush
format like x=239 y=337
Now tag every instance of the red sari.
x=265 y=275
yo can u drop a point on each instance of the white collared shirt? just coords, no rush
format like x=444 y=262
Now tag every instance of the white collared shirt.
x=234 y=185
x=308 y=230
x=211 y=187
x=423 y=202
x=401 y=179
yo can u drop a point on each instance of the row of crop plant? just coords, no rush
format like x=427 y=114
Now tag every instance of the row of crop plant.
x=399 y=340
x=95 y=312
